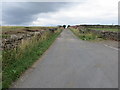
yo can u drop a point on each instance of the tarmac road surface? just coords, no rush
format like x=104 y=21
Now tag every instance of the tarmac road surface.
x=73 y=63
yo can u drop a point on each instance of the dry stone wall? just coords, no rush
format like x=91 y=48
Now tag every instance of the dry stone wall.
x=107 y=34
x=104 y=34
x=15 y=39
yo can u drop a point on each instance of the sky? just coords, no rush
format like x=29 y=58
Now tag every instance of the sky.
x=59 y=13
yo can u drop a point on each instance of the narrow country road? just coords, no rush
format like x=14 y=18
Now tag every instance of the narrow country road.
x=73 y=63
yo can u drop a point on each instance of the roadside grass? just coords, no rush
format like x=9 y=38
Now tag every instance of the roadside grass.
x=86 y=36
x=16 y=61
x=105 y=29
x=0 y=70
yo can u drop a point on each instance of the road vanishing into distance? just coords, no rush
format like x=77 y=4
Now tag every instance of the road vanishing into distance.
x=73 y=63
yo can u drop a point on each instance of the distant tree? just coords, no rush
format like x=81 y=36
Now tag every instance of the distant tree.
x=68 y=26
x=59 y=26
x=64 y=26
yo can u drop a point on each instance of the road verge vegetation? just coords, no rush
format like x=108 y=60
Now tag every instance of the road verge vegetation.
x=89 y=36
x=16 y=61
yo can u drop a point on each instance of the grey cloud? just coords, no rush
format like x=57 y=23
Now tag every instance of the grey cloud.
x=14 y=13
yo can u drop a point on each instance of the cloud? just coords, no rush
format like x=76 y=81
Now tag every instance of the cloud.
x=89 y=12
x=0 y=13
x=56 y=13
x=25 y=12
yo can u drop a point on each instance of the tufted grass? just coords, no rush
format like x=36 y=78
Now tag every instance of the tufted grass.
x=16 y=61
x=86 y=36
x=0 y=70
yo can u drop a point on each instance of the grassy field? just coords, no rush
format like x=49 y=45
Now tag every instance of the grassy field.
x=20 y=28
x=105 y=29
x=17 y=60
x=8 y=30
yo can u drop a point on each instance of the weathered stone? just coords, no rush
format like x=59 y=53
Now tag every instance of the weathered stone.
x=16 y=39
x=105 y=34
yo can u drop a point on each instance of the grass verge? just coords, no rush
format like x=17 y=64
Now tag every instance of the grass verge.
x=86 y=36
x=16 y=61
